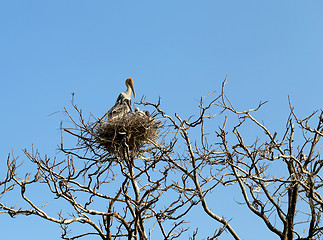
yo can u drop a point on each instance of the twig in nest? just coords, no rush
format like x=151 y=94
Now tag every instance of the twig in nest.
x=135 y=129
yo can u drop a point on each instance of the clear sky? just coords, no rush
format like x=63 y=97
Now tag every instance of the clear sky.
x=178 y=50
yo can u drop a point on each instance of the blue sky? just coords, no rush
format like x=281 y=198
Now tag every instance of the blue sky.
x=178 y=50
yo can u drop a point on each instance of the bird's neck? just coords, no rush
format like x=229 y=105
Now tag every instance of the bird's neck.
x=128 y=92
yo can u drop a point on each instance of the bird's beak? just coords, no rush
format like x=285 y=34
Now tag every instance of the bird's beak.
x=132 y=88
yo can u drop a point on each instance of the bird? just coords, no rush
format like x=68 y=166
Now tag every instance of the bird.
x=142 y=113
x=123 y=103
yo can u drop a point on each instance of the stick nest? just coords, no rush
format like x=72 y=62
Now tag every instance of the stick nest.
x=133 y=131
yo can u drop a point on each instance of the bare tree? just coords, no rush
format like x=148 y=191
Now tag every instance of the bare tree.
x=151 y=172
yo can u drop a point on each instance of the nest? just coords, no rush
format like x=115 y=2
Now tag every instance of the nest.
x=132 y=131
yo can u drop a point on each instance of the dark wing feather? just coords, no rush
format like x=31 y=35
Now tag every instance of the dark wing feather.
x=119 y=99
x=128 y=102
x=121 y=107
x=118 y=110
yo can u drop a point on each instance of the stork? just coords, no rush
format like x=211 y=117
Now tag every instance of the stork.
x=142 y=113
x=123 y=103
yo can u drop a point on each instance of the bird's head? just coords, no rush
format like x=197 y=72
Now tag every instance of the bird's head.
x=129 y=83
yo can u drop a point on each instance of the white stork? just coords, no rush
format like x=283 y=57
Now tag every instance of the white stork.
x=123 y=103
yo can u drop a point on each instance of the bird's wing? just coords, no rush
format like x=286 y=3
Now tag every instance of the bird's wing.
x=123 y=100
x=118 y=110
x=128 y=102
x=120 y=98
